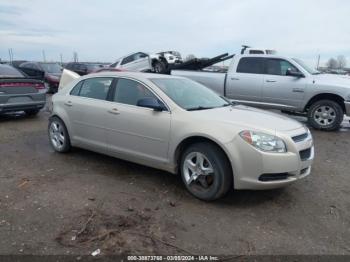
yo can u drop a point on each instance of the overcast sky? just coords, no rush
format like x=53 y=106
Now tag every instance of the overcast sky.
x=105 y=30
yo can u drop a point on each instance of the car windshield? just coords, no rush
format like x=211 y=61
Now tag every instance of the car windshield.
x=52 y=68
x=188 y=94
x=307 y=68
x=9 y=72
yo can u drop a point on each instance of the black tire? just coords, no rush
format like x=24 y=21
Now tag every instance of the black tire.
x=336 y=111
x=159 y=67
x=32 y=112
x=222 y=179
x=64 y=146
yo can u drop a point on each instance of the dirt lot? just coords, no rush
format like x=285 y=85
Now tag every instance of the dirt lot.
x=75 y=203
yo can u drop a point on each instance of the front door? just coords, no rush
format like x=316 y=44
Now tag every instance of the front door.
x=133 y=130
x=280 y=90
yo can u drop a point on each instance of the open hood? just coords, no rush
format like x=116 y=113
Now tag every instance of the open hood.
x=67 y=77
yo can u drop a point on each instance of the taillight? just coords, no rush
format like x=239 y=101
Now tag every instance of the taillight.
x=20 y=84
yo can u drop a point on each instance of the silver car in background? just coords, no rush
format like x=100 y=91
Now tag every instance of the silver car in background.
x=178 y=125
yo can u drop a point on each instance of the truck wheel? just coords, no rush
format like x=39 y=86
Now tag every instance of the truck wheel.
x=205 y=171
x=58 y=135
x=159 y=67
x=326 y=115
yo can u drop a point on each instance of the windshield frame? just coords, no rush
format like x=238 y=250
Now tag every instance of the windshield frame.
x=304 y=66
x=225 y=102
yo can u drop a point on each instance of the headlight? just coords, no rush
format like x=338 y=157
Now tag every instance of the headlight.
x=264 y=142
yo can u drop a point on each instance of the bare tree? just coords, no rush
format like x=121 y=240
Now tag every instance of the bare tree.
x=332 y=63
x=341 y=61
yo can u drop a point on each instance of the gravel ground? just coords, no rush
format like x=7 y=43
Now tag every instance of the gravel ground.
x=75 y=203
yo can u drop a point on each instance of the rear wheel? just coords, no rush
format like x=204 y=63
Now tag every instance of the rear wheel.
x=32 y=112
x=58 y=135
x=205 y=171
x=325 y=115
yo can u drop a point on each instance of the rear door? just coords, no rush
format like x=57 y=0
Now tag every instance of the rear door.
x=142 y=62
x=136 y=62
x=246 y=83
x=87 y=108
x=279 y=90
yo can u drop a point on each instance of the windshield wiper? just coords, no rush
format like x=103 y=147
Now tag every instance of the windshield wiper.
x=199 y=108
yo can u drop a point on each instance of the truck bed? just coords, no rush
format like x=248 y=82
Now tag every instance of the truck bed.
x=214 y=80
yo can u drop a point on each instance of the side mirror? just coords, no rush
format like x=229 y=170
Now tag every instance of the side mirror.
x=294 y=73
x=150 y=102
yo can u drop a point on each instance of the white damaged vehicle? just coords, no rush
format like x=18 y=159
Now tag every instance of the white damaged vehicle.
x=142 y=62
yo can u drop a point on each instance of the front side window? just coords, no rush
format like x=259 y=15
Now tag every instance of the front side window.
x=130 y=92
x=96 y=88
x=278 y=67
x=251 y=65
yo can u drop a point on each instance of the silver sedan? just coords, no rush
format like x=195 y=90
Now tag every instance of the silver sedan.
x=175 y=124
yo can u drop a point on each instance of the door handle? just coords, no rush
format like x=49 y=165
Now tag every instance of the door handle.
x=234 y=78
x=298 y=90
x=69 y=103
x=270 y=81
x=114 y=111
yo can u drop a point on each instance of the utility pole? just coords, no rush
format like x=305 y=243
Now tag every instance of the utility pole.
x=318 y=62
x=44 y=56
x=11 y=55
x=61 y=59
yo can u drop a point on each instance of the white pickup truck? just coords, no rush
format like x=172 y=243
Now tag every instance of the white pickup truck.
x=277 y=82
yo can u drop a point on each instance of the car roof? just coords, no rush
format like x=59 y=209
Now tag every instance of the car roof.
x=263 y=56
x=138 y=75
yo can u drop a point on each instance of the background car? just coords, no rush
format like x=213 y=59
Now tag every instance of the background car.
x=172 y=57
x=142 y=62
x=18 y=92
x=83 y=68
x=53 y=72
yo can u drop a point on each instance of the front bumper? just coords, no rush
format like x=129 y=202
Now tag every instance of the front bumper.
x=255 y=169
x=347 y=108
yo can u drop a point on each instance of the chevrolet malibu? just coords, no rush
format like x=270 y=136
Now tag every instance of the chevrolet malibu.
x=180 y=126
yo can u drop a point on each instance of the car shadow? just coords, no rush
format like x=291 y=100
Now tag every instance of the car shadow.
x=173 y=183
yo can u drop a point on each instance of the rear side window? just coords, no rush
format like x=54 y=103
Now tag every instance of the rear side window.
x=256 y=52
x=251 y=65
x=96 y=88
x=129 y=92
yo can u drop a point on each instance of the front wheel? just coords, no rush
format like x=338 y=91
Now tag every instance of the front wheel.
x=58 y=135
x=205 y=171
x=325 y=115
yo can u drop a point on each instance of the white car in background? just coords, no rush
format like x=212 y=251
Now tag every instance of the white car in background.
x=142 y=62
x=172 y=57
